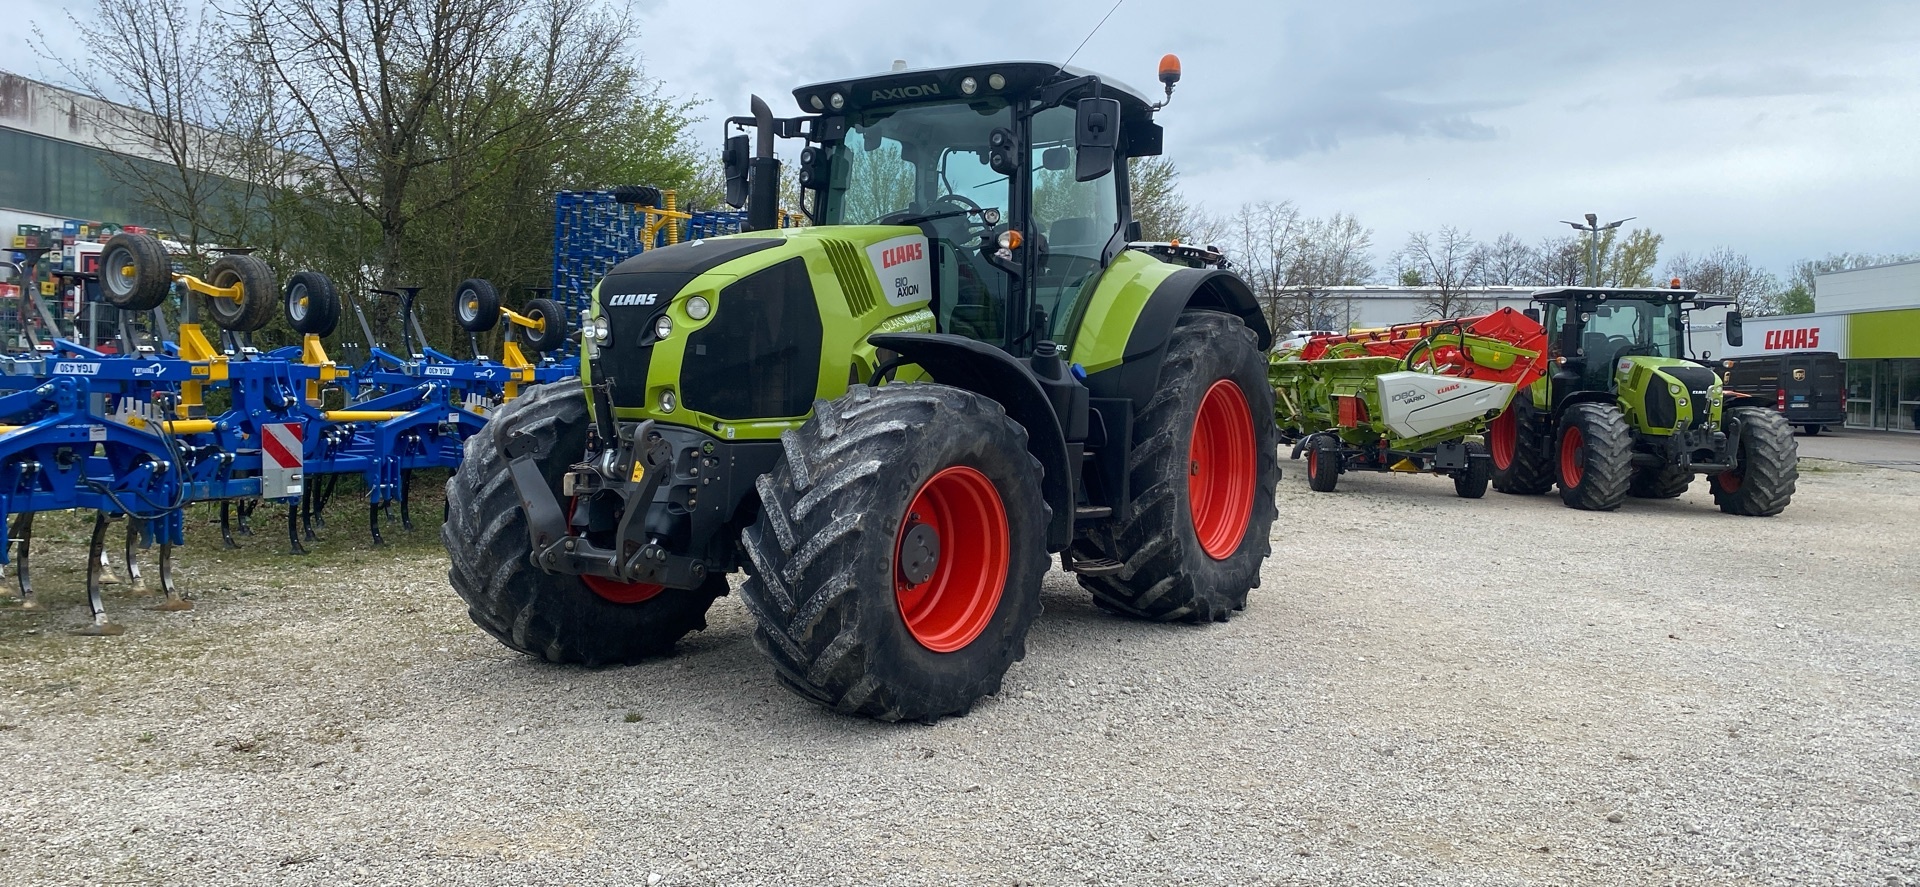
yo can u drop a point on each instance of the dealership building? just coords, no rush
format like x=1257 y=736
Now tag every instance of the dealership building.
x=1871 y=318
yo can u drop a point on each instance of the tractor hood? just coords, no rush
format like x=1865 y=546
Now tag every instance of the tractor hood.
x=1669 y=394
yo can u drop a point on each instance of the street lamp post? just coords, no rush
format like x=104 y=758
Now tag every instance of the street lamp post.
x=1593 y=229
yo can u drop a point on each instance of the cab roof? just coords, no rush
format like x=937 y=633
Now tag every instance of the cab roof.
x=943 y=84
x=1649 y=293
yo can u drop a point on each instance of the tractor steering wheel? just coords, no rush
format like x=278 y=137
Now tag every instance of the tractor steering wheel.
x=945 y=206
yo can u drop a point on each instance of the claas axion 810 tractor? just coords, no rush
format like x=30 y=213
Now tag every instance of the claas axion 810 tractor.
x=889 y=419
x=1625 y=412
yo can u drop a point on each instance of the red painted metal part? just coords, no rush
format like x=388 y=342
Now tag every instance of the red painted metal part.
x=613 y=590
x=1223 y=469
x=1572 y=451
x=953 y=606
x=1506 y=325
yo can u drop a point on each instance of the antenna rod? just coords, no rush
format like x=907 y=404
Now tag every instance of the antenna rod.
x=1096 y=30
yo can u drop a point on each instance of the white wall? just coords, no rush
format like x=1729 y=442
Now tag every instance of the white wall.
x=1790 y=332
x=1868 y=289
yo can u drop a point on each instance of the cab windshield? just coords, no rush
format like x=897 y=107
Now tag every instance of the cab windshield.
x=1622 y=327
x=916 y=161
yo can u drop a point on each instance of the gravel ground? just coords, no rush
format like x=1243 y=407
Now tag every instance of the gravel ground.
x=1425 y=690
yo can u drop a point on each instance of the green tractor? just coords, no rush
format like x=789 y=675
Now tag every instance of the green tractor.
x=1625 y=413
x=890 y=419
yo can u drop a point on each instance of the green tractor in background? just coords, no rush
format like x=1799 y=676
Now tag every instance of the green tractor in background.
x=889 y=419
x=1623 y=412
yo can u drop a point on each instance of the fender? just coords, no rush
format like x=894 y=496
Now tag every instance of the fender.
x=987 y=371
x=1189 y=288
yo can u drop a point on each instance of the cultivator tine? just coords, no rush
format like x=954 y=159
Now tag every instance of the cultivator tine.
x=307 y=487
x=134 y=526
x=107 y=576
x=293 y=528
x=23 y=531
x=246 y=515
x=226 y=524
x=373 y=524
x=96 y=555
x=326 y=495
x=406 y=494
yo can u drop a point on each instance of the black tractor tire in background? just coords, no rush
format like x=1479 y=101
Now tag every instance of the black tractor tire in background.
x=1522 y=458
x=553 y=616
x=1813 y=430
x=311 y=303
x=831 y=579
x=476 y=305
x=1472 y=482
x=135 y=272
x=259 y=295
x=1665 y=482
x=1769 y=467
x=1168 y=571
x=554 y=334
x=1323 y=463
x=1595 y=457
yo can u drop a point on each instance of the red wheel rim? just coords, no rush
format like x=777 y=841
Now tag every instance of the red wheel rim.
x=1221 y=470
x=1729 y=481
x=1504 y=436
x=613 y=590
x=952 y=605
x=1313 y=463
x=1572 y=454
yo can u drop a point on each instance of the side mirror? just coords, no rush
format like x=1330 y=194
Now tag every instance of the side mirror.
x=1735 y=337
x=1533 y=314
x=1054 y=158
x=1570 y=340
x=733 y=159
x=1096 y=137
x=1133 y=231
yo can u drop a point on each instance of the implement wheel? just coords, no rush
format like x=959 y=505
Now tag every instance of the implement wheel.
x=1205 y=464
x=312 y=304
x=258 y=294
x=1471 y=482
x=1595 y=452
x=1522 y=457
x=554 y=334
x=1769 y=466
x=560 y=618
x=896 y=564
x=1323 y=463
x=476 y=305
x=135 y=272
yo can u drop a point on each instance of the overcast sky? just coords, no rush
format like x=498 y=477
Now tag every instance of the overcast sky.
x=1782 y=129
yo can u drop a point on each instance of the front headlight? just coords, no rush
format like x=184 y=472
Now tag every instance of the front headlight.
x=698 y=308
x=662 y=327
x=666 y=401
x=601 y=330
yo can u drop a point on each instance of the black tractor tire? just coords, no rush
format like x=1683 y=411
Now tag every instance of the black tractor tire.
x=1522 y=458
x=1665 y=482
x=1595 y=450
x=1171 y=572
x=1813 y=430
x=135 y=272
x=554 y=334
x=312 y=304
x=1471 y=482
x=476 y=305
x=553 y=616
x=1769 y=467
x=259 y=296
x=1323 y=463
x=827 y=580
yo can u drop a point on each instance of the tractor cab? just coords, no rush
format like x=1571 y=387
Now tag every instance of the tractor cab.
x=1014 y=171
x=1603 y=336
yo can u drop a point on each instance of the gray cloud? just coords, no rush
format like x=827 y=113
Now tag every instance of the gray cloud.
x=1778 y=80
x=1323 y=127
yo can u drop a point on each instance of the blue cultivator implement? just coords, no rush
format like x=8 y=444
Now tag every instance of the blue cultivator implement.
x=126 y=425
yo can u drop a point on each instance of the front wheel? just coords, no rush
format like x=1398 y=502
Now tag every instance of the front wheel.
x=1204 y=468
x=895 y=566
x=1596 y=457
x=560 y=618
x=1323 y=463
x=1522 y=458
x=1761 y=483
x=1471 y=482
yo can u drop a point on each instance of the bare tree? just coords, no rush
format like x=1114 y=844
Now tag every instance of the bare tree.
x=1153 y=185
x=1797 y=298
x=1448 y=265
x=1508 y=262
x=1560 y=261
x=1723 y=272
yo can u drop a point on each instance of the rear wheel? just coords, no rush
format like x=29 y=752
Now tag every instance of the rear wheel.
x=1762 y=483
x=1522 y=458
x=560 y=618
x=1471 y=482
x=1323 y=463
x=1813 y=430
x=1666 y=482
x=895 y=567
x=1205 y=464
x=1596 y=457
